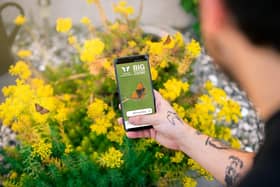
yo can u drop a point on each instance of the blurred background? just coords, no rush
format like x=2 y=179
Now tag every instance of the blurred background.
x=155 y=12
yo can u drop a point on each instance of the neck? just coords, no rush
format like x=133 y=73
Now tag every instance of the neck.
x=258 y=72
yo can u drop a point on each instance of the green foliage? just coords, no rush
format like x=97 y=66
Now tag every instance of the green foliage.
x=191 y=6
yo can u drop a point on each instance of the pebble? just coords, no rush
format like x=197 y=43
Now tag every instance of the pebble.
x=244 y=112
x=249 y=130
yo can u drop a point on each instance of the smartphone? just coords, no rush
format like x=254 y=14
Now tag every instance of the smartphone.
x=135 y=89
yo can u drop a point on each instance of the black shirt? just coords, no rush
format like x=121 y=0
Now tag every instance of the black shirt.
x=266 y=167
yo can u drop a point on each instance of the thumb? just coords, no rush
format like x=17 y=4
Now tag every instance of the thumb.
x=144 y=119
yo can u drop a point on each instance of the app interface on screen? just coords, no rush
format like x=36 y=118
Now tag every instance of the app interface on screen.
x=135 y=90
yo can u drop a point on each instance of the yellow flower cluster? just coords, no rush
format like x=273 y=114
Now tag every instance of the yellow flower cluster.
x=123 y=9
x=189 y=182
x=72 y=40
x=42 y=149
x=21 y=69
x=215 y=108
x=28 y=106
x=111 y=159
x=193 y=49
x=171 y=50
x=13 y=175
x=91 y=49
x=173 y=88
x=24 y=53
x=166 y=43
x=20 y=20
x=102 y=116
x=63 y=24
x=85 y=20
x=179 y=110
x=178 y=157
x=154 y=73
x=159 y=155
x=116 y=134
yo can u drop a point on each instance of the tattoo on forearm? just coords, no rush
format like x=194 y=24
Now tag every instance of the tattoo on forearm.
x=172 y=117
x=215 y=143
x=232 y=173
x=197 y=132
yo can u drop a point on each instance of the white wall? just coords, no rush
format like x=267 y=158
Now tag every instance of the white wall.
x=155 y=12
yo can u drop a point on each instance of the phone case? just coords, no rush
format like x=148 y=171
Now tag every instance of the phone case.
x=139 y=91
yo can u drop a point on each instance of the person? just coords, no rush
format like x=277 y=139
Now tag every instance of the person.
x=243 y=38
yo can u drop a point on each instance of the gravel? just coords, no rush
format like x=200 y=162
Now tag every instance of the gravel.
x=250 y=129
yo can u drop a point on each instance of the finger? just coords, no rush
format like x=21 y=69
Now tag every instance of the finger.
x=158 y=99
x=120 y=121
x=144 y=119
x=138 y=134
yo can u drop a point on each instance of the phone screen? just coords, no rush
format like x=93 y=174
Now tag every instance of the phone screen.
x=135 y=89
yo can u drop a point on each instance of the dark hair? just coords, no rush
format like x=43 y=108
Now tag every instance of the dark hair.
x=258 y=20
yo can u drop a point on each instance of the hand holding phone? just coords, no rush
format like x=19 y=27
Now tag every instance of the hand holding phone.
x=135 y=89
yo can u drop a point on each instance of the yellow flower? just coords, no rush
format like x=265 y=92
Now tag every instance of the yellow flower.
x=111 y=159
x=193 y=49
x=68 y=149
x=123 y=9
x=159 y=155
x=179 y=110
x=62 y=113
x=179 y=39
x=173 y=89
x=155 y=48
x=20 y=20
x=235 y=143
x=117 y=134
x=42 y=149
x=63 y=24
x=85 y=20
x=72 y=40
x=21 y=69
x=91 y=49
x=115 y=26
x=208 y=85
x=24 y=53
x=218 y=95
x=131 y=43
x=163 y=64
x=154 y=73
x=13 y=175
x=189 y=182
x=97 y=109
x=178 y=157
x=100 y=125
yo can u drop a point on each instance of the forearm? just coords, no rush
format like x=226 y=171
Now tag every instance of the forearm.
x=225 y=164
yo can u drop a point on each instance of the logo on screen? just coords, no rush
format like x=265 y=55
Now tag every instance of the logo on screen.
x=125 y=69
x=139 y=68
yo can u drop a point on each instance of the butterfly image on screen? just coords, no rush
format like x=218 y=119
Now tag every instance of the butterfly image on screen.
x=140 y=92
x=137 y=94
x=41 y=109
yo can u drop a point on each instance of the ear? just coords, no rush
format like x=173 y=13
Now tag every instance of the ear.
x=213 y=16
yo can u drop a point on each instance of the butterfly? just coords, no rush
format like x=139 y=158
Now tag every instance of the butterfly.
x=140 y=91
x=167 y=41
x=41 y=109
